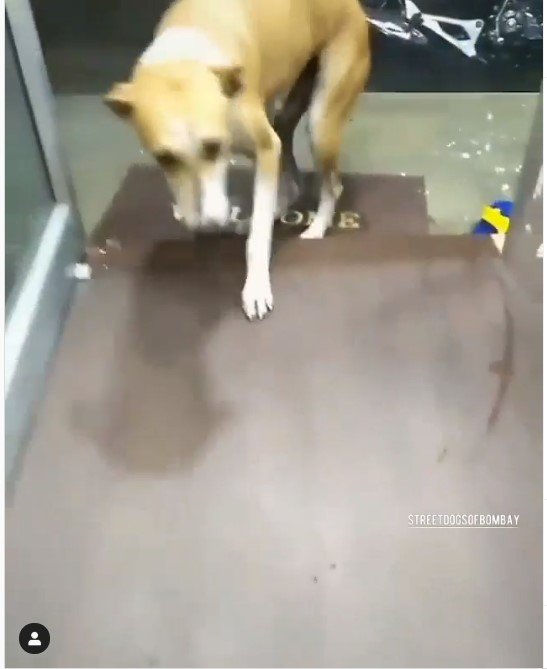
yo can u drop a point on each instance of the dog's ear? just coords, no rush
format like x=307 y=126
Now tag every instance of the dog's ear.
x=120 y=99
x=231 y=79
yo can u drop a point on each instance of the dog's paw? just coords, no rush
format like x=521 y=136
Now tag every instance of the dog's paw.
x=257 y=298
x=313 y=232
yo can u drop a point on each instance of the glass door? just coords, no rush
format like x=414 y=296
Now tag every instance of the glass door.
x=43 y=234
x=523 y=250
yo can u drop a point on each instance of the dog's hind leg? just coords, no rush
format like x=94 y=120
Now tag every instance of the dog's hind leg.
x=344 y=66
x=285 y=123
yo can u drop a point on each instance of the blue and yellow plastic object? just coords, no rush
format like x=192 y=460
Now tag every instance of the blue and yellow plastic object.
x=496 y=219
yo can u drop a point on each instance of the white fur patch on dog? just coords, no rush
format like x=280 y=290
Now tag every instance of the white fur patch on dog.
x=184 y=44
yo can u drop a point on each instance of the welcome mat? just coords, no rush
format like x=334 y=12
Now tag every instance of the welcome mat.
x=140 y=216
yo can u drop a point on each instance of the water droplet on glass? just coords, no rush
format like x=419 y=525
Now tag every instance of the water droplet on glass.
x=505 y=188
x=489 y=116
x=487 y=147
x=465 y=155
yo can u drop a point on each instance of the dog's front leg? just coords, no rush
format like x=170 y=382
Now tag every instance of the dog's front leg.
x=257 y=293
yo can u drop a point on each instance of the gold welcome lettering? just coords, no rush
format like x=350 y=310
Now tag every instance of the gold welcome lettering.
x=345 y=220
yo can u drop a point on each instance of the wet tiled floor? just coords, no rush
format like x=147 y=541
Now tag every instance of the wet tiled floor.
x=204 y=492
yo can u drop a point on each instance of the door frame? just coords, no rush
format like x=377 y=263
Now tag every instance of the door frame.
x=36 y=316
x=522 y=251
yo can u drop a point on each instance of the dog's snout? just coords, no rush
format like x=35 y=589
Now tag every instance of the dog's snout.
x=215 y=206
x=216 y=219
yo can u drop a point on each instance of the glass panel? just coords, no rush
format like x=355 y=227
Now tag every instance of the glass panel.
x=29 y=198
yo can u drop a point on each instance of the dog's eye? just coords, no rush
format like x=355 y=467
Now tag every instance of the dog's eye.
x=210 y=149
x=168 y=160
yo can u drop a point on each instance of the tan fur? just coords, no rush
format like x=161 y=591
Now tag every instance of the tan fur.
x=270 y=40
x=158 y=94
x=176 y=107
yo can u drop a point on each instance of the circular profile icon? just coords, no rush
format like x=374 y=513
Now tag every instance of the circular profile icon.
x=34 y=638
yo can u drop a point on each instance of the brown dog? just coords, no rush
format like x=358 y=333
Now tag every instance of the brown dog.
x=202 y=90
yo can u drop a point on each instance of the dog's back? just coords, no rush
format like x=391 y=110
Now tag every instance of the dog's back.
x=275 y=38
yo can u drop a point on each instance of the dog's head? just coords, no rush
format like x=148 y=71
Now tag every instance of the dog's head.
x=181 y=114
